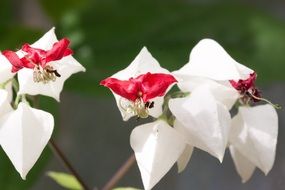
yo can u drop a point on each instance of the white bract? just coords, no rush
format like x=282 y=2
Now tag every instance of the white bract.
x=65 y=67
x=222 y=91
x=5 y=69
x=184 y=157
x=157 y=147
x=254 y=129
x=5 y=106
x=210 y=64
x=209 y=59
x=142 y=64
x=204 y=121
x=24 y=133
x=253 y=139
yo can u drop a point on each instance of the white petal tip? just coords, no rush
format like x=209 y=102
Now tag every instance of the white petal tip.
x=208 y=40
x=52 y=30
x=83 y=69
x=180 y=170
x=221 y=159
x=23 y=176
x=266 y=172
x=144 y=48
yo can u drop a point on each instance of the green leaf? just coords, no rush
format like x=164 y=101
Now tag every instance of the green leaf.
x=126 y=188
x=65 y=180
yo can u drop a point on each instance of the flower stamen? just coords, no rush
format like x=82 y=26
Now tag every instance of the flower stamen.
x=249 y=92
x=44 y=75
x=276 y=106
x=138 y=107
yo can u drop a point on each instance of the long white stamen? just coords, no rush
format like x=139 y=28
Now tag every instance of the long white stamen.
x=276 y=106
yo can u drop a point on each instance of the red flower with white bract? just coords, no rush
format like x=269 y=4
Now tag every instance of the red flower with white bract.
x=43 y=66
x=38 y=59
x=141 y=90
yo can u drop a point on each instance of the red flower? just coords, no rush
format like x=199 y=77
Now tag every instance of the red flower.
x=247 y=87
x=38 y=57
x=145 y=86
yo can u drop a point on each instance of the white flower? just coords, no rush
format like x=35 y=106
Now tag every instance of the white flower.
x=66 y=66
x=210 y=64
x=254 y=129
x=209 y=59
x=253 y=139
x=5 y=106
x=5 y=69
x=202 y=120
x=157 y=147
x=23 y=135
x=142 y=64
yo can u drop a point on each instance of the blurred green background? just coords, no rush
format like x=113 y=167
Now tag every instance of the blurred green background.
x=106 y=35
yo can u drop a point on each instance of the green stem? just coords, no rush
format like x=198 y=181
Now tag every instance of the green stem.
x=15 y=85
x=3 y=85
x=166 y=113
x=16 y=102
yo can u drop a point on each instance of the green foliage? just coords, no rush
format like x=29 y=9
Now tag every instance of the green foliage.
x=16 y=36
x=65 y=180
x=13 y=34
x=55 y=9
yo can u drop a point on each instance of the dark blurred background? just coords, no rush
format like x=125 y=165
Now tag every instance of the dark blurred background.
x=106 y=36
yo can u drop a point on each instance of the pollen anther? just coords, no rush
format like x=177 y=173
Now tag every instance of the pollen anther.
x=44 y=75
x=138 y=107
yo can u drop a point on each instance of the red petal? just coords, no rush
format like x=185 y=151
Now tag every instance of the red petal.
x=68 y=52
x=154 y=85
x=125 y=88
x=59 y=50
x=36 y=55
x=14 y=60
x=244 y=85
x=27 y=63
x=30 y=50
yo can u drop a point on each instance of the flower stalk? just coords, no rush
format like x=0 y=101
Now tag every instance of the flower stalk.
x=121 y=172
x=57 y=151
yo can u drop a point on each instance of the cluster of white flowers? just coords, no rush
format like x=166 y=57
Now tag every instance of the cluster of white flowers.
x=41 y=69
x=210 y=84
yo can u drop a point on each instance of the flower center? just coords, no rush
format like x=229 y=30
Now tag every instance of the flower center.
x=247 y=89
x=138 y=107
x=44 y=75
